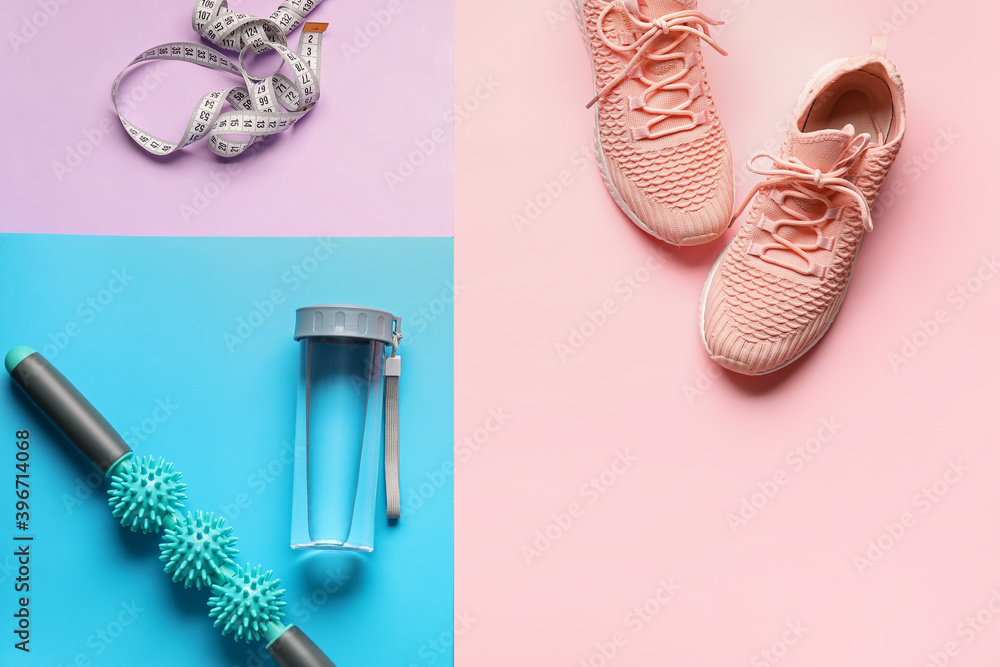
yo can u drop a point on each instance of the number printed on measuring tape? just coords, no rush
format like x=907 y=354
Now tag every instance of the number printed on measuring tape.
x=259 y=107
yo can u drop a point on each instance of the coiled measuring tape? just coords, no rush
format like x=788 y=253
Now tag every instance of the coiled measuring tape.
x=260 y=107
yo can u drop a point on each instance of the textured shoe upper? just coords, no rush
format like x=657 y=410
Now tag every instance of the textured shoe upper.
x=667 y=151
x=779 y=284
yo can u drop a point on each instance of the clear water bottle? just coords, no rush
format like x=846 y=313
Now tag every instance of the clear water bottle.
x=347 y=390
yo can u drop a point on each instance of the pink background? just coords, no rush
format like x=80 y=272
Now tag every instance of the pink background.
x=704 y=440
x=324 y=176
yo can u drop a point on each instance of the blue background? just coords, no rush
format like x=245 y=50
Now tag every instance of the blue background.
x=163 y=338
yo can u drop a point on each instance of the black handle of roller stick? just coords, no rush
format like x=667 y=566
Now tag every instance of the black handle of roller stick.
x=66 y=407
x=293 y=648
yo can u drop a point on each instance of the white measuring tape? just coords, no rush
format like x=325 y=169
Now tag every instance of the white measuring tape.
x=261 y=106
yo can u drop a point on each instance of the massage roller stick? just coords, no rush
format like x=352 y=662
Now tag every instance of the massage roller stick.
x=145 y=494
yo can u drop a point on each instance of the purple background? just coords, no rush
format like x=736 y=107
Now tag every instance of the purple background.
x=69 y=167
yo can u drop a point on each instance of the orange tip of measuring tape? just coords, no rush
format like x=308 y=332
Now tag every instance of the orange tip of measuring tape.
x=315 y=27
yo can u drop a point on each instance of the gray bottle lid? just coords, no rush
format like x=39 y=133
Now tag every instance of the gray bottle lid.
x=345 y=321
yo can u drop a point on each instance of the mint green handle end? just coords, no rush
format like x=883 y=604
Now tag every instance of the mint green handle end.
x=16 y=356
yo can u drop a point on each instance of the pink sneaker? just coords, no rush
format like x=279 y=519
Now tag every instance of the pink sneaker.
x=777 y=288
x=661 y=148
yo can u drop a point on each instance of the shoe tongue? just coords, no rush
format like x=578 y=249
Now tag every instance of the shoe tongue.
x=817 y=150
x=821 y=149
x=661 y=70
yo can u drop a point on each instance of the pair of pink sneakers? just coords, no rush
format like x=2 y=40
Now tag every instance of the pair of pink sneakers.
x=665 y=158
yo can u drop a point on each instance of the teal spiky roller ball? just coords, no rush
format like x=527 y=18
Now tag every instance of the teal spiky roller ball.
x=197 y=549
x=247 y=603
x=146 y=494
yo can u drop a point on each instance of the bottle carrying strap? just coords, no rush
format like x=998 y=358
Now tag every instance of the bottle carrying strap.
x=392 y=369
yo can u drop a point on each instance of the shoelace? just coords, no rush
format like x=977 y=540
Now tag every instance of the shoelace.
x=793 y=179
x=681 y=24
